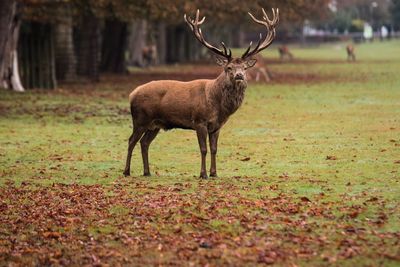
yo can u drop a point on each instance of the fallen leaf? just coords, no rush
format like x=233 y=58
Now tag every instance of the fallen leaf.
x=305 y=199
x=55 y=235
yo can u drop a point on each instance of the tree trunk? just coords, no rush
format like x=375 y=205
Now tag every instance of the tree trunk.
x=64 y=49
x=181 y=46
x=136 y=42
x=239 y=37
x=171 y=45
x=161 y=39
x=36 y=55
x=113 y=46
x=9 y=34
x=88 y=43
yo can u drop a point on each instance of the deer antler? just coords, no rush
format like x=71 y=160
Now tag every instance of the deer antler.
x=194 y=26
x=270 y=25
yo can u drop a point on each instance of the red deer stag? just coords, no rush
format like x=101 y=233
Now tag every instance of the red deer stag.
x=351 y=56
x=200 y=105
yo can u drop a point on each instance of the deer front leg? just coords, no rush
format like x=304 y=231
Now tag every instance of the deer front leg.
x=202 y=138
x=213 y=148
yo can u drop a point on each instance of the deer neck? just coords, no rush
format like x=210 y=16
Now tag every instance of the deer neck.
x=229 y=96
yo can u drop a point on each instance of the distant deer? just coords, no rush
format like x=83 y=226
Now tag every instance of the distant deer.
x=351 y=56
x=149 y=54
x=200 y=105
x=260 y=72
x=284 y=52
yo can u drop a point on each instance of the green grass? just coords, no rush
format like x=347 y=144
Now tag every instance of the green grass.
x=287 y=204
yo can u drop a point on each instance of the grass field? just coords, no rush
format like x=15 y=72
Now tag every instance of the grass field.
x=309 y=173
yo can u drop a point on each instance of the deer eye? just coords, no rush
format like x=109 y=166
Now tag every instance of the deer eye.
x=229 y=68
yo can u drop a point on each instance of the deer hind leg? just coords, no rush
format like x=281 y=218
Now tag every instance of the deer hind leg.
x=213 y=138
x=145 y=142
x=135 y=137
x=202 y=138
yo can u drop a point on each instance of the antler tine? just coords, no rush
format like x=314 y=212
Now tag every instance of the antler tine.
x=255 y=48
x=194 y=26
x=248 y=49
x=198 y=17
x=224 y=47
x=265 y=16
x=277 y=16
x=256 y=20
x=188 y=21
x=258 y=43
x=269 y=37
x=228 y=51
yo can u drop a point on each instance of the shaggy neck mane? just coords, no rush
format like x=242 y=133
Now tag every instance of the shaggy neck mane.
x=230 y=94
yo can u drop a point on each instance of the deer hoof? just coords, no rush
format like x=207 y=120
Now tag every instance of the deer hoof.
x=204 y=176
x=127 y=173
x=146 y=174
x=213 y=175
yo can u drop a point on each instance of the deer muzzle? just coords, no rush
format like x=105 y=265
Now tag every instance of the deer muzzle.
x=239 y=77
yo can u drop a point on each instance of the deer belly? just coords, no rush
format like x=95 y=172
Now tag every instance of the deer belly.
x=168 y=125
x=170 y=117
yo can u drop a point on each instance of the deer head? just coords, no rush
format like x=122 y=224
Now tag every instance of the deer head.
x=235 y=68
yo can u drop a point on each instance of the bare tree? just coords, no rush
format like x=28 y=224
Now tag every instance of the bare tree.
x=200 y=105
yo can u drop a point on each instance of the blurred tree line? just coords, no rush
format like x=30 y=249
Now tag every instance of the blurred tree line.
x=43 y=42
x=350 y=15
x=395 y=12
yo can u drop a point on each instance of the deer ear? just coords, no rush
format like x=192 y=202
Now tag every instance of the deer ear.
x=221 y=61
x=250 y=63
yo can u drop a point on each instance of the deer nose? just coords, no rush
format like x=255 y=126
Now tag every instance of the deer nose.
x=239 y=76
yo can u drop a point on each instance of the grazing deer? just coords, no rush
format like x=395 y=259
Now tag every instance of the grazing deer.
x=260 y=72
x=351 y=56
x=284 y=52
x=200 y=105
